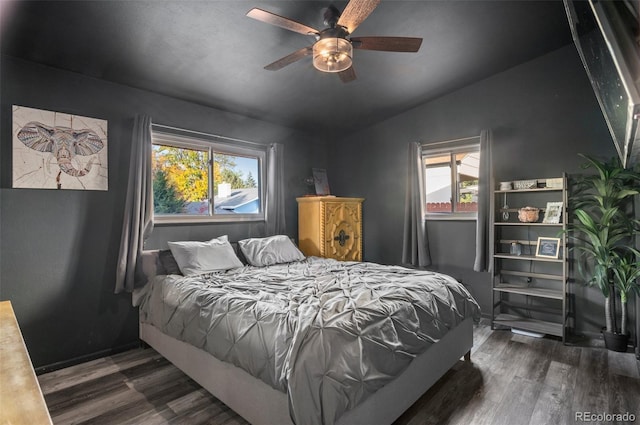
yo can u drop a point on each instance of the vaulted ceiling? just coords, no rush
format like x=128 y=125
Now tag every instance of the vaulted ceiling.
x=210 y=53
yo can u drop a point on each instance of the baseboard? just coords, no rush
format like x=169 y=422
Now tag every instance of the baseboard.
x=596 y=340
x=485 y=319
x=85 y=358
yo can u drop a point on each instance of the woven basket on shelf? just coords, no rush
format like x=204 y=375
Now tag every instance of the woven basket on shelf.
x=525 y=184
x=528 y=214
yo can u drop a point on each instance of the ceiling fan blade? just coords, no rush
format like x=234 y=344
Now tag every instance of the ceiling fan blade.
x=347 y=75
x=289 y=59
x=355 y=12
x=280 y=21
x=387 y=44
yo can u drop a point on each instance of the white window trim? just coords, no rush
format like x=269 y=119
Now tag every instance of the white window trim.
x=448 y=147
x=180 y=138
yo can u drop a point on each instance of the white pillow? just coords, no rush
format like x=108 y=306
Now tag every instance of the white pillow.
x=204 y=257
x=271 y=250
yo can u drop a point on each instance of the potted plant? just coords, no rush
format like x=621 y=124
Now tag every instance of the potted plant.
x=626 y=273
x=603 y=229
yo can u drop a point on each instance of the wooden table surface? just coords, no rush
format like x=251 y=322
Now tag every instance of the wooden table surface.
x=21 y=400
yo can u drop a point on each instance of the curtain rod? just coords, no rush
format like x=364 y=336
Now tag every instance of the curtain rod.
x=462 y=139
x=200 y=133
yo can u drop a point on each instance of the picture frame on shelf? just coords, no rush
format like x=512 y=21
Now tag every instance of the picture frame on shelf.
x=548 y=247
x=553 y=213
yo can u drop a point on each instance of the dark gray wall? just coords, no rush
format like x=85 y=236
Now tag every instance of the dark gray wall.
x=59 y=248
x=542 y=113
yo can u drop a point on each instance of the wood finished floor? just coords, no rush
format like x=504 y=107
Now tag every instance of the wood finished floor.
x=512 y=380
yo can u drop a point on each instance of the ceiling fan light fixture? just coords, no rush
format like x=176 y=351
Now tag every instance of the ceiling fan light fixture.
x=332 y=54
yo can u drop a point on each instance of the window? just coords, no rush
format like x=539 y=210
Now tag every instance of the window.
x=451 y=180
x=202 y=178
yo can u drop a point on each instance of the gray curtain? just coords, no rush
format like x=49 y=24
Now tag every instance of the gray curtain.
x=482 y=262
x=138 y=217
x=274 y=202
x=415 y=250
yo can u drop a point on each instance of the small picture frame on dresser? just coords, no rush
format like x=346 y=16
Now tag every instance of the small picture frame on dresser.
x=321 y=181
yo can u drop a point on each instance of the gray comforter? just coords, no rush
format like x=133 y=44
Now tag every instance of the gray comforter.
x=327 y=333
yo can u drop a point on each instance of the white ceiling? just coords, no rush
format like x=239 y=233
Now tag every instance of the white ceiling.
x=210 y=53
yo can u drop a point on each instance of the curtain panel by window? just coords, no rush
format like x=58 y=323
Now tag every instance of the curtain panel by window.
x=482 y=262
x=415 y=250
x=274 y=202
x=138 y=215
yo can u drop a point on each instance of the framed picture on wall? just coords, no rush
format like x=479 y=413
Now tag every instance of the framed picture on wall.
x=548 y=247
x=55 y=150
x=321 y=181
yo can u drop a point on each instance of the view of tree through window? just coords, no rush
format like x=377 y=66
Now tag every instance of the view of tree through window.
x=181 y=180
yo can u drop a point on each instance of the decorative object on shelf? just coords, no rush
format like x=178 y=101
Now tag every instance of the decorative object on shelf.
x=516 y=248
x=506 y=185
x=555 y=183
x=552 y=213
x=505 y=209
x=311 y=186
x=548 y=247
x=602 y=232
x=528 y=214
x=53 y=150
x=321 y=181
x=525 y=184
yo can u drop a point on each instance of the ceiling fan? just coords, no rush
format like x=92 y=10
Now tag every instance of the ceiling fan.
x=333 y=48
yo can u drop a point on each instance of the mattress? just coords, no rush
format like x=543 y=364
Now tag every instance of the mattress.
x=327 y=333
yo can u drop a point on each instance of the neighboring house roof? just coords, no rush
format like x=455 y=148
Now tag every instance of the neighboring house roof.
x=231 y=204
x=444 y=194
x=238 y=198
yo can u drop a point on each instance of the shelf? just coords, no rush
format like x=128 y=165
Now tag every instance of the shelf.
x=535 y=189
x=517 y=210
x=520 y=241
x=555 y=294
x=512 y=305
x=528 y=258
x=506 y=223
x=534 y=275
x=529 y=324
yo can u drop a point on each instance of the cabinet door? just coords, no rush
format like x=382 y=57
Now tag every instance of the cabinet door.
x=342 y=231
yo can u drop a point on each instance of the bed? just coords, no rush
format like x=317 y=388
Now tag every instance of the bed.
x=287 y=339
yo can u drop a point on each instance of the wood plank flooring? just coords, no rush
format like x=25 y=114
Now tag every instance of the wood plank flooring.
x=512 y=380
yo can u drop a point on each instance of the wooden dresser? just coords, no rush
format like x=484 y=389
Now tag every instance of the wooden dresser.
x=330 y=227
x=21 y=400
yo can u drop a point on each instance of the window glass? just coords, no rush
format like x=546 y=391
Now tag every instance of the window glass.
x=438 y=185
x=180 y=180
x=467 y=179
x=200 y=180
x=235 y=184
x=451 y=180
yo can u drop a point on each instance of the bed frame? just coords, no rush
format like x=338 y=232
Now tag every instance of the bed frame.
x=260 y=404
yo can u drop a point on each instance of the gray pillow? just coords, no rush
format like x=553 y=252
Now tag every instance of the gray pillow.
x=270 y=250
x=168 y=262
x=204 y=257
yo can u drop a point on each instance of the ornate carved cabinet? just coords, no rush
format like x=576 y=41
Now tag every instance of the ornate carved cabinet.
x=330 y=227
